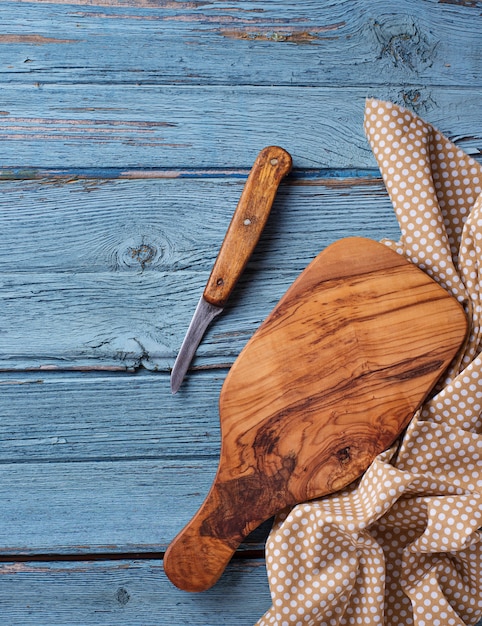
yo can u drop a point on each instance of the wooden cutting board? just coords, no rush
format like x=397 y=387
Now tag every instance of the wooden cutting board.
x=329 y=380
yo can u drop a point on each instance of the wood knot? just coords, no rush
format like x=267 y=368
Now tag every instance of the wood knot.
x=343 y=455
x=418 y=100
x=122 y=596
x=137 y=253
x=404 y=43
x=144 y=254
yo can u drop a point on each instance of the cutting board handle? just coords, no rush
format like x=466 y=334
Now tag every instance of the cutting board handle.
x=198 y=555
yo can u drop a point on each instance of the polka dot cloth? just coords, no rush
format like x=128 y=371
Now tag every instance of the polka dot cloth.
x=402 y=545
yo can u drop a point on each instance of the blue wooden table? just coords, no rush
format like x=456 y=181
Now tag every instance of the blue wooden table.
x=127 y=129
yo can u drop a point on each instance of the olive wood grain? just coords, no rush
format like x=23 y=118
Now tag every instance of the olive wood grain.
x=270 y=167
x=327 y=382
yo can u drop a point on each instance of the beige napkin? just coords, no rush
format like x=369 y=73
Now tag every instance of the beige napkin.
x=401 y=546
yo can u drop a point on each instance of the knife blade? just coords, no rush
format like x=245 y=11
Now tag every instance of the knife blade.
x=270 y=167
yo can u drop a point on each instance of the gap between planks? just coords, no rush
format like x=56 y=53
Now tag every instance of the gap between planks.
x=111 y=556
x=297 y=176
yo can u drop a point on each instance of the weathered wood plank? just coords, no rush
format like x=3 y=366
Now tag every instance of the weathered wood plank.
x=56 y=417
x=107 y=273
x=105 y=463
x=127 y=593
x=309 y=43
x=132 y=126
x=153 y=225
x=107 y=507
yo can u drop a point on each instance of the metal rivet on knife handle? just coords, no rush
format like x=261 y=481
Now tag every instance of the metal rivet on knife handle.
x=269 y=169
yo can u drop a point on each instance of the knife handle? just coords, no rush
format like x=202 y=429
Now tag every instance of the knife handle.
x=271 y=166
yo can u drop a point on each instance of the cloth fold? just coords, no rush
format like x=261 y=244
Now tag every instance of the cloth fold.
x=402 y=544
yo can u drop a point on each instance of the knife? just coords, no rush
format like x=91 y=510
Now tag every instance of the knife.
x=271 y=166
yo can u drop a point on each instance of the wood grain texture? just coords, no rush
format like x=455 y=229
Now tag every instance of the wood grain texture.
x=106 y=506
x=54 y=417
x=132 y=592
x=107 y=273
x=142 y=126
x=328 y=381
x=273 y=43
